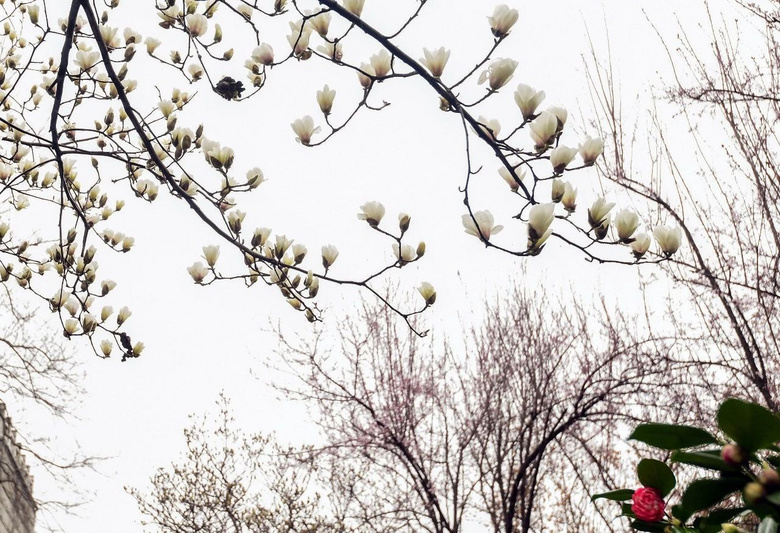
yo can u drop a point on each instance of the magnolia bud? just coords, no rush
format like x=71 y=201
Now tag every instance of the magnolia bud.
x=733 y=454
x=403 y=222
x=769 y=478
x=753 y=493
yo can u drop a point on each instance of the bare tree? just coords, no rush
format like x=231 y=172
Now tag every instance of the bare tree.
x=723 y=192
x=231 y=481
x=455 y=434
x=39 y=377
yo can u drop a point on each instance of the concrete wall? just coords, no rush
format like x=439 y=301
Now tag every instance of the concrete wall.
x=17 y=508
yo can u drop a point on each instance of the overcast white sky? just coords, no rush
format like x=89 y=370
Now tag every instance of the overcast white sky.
x=200 y=341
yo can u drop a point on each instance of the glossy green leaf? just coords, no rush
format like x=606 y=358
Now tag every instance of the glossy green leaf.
x=774 y=497
x=711 y=522
x=653 y=527
x=750 y=425
x=657 y=475
x=671 y=437
x=705 y=459
x=704 y=493
x=615 y=495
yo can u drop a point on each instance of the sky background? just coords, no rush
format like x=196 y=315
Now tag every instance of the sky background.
x=200 y=341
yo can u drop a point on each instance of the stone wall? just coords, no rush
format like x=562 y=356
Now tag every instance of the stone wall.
x=17 y=508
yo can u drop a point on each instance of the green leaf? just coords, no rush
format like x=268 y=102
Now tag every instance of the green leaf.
x=653 y=527
x=615 y=495
x=704 y=493
x=655 y=474
x=671 y=437
x=750 y=425
x=774 y=497
x=705 y=459
x=767 y=525
x=711 y=522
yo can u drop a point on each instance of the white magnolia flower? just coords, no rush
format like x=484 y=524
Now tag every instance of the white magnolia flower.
x=151 y=44
x=88 y=323
x=510 y=179
x=304 y=129
x=540 y=219
x=281 y=245
x=365 y=79
x=561 y=114
x=34 y=11
x=123 y=315
x=484 y=225
x=299 y=37
x=127 y=243
x=332 y=50
x=263 y=54
x=428 y=293
x=569 y=199
x=491 y=127
x=405 y=253
x=502 y=20
x=245 y=10
x=106 y=346
x=166 y=107
x=626 y=222
x=138 y=347
x=197 y=24
x=499 y=73
x=325 y=99
x=106 y=312
x=560 y=157
x=211 y=254
x=435 y=61
x=299 y=252
x=71 y=326
x=372 y=212
x=59 y=299
x=254 y=177
x=381 y=63
x=87 y=60
x=403 y=221
x=640 y=245
x=235 y=219
x=21 y=202
x=107 y=286
x=528 y=99
x=543 y=130
x=558 y=190
x=221 y=157
x=668 y=239
x=590 y=150
x=198 y=272
x=354 y=6
x=320 y=22
x=599 y=212
x=329 y=255
x=72 y=306
x=195 y=70
x=109 y=36
x=260 y=236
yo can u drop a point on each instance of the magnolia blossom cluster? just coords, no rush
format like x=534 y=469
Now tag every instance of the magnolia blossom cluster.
x=541 y=217
x=373 y=213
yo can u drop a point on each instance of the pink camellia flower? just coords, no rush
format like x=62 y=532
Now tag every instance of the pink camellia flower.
x=647 y=504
